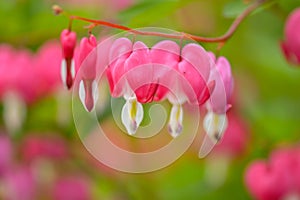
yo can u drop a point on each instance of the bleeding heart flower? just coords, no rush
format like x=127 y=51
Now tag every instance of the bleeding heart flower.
x=215 y=122
x=35 y=147
x=134 y=64
x=19 y=183
x=291 y=45
x=68 y=42
x=277 y=179
x=69 y=188
x=88 y=89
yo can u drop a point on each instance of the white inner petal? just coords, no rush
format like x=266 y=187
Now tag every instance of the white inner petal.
x=14 y=111
x=215 y=125
x=175 y=123
x=95 y=91
x=132 y=115
x=73 y=69
x=63 y=72
x=82 y=93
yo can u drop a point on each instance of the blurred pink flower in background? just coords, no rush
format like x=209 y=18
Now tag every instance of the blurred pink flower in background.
x=44 y=147
x=291 y=45
x=72 y=188
x=6 y=153
x=275 y=179
x=47 y=61
x=19 y=184
x=31 y=76
x=234 y=142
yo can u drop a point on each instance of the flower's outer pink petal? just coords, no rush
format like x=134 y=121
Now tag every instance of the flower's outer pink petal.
x=120 y=50
x=289 y=55
x=198 y=58
x=140 y=57
x=224 y=68
x=221 y=74
x=292 y=28
x=263 y=183
x=87 y=59
x=195 y=67
x=87 y=45
x=212 y=57
x=68 y=41
x=165 y=53
x=291 y=45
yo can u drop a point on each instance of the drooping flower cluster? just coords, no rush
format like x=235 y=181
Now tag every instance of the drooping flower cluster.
x=291 y=45
x=30 y=76
x=142 y=74
x=276 y=179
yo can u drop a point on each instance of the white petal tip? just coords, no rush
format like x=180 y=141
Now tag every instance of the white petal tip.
x=175 y=124
x=88 y=94
x=175 y=132
x=131 y=130
x=215 y=125
x=206 y=147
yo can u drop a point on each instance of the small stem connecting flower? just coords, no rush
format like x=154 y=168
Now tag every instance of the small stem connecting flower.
x=221 y=39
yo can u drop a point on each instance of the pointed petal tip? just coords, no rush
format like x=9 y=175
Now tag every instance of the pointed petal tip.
x=69 y=85
x=89 y=107
x=88 y=94
x=132 y=128
x=206 y=147
x=175 y=132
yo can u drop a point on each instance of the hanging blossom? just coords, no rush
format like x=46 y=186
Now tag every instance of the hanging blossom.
x=215 y=122
x=26 y=77
x=199 y=79
x=291 y=45
x=275 y=179
x=88 y=90
x=232 y=146
x=68 y=42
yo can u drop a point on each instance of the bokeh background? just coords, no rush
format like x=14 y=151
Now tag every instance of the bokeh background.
x=41 y=156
